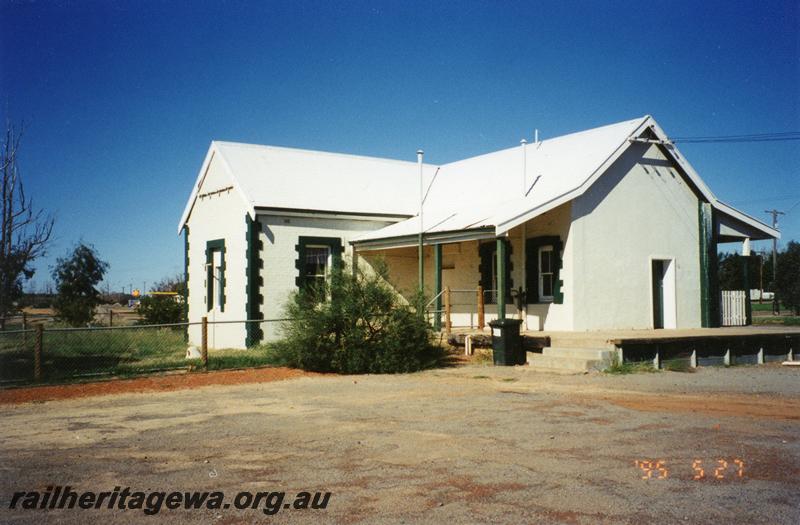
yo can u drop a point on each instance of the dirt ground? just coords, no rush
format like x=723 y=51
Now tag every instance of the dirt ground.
x=472 y=444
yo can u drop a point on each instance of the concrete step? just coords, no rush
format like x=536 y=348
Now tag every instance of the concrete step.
x=600 y=354
x=564 y=363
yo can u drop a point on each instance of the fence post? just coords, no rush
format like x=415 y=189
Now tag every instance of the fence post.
x=110 y=317
x=204 y=343
x=37 y=353
x=481 y=319
x=24 y=328
x=448 y=325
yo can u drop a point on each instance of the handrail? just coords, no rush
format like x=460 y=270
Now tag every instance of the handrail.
x=434 y=299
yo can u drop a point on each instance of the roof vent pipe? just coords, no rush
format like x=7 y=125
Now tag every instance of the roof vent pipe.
x=524 y=144
x=421 y=270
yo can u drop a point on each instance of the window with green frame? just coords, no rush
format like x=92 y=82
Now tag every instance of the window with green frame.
x=543 y=270
x=316 y=256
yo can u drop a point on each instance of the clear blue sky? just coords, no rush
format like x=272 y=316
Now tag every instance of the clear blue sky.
x=121 y=99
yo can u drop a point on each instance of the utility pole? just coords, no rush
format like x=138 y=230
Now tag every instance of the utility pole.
x=776 y=308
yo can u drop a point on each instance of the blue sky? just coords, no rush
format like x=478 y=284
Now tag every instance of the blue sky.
x=121 y=99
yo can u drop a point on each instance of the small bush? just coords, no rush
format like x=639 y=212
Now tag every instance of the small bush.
x=361 y=327
x=619 y=367
x=160 y=310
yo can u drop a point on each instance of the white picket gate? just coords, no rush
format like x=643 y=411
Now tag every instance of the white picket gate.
x=734 y=311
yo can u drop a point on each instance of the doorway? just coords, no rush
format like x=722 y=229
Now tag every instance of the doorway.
x=662 y=272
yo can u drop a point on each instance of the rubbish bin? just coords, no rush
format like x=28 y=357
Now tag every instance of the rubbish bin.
x=506 y=342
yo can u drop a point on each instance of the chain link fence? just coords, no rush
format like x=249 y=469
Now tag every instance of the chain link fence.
x=40 y=354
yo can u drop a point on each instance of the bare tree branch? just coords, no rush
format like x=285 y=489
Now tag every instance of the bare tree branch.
x=24 y=230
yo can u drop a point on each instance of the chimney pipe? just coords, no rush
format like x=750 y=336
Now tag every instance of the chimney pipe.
x=421 y=269
x=524 y=144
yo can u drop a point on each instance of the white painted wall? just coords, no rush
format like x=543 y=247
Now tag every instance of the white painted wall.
x=641 y=209
x=280 y=235
x=220 y=216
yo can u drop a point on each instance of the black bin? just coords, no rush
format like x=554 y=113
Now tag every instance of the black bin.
x=507 y=343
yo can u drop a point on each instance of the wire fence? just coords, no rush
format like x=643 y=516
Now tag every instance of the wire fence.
x=40 y=354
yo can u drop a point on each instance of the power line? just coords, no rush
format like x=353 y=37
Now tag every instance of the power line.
x=781 y=136
x=768 y=199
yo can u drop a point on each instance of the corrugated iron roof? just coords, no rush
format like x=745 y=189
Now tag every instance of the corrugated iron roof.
x=479 y=192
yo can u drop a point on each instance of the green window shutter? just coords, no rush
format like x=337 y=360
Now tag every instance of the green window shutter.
x=253 y=282
x=487 y=252
x=558 y=296
x=532 y=271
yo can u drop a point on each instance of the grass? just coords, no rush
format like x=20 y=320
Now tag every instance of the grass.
x=785 y=320
x=232 y=358
x=80 y=354
x=630 y=367
x=766 y=306
x=483 y=356
x=677 y=365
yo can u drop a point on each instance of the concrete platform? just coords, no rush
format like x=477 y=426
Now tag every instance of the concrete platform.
x=594 y=350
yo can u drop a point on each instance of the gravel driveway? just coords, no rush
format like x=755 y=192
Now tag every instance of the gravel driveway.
x=472 y=444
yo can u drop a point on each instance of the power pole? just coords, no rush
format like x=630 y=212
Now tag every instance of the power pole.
x=776 y=308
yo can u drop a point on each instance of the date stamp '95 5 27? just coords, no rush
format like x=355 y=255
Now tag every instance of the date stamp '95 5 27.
x=699 y=469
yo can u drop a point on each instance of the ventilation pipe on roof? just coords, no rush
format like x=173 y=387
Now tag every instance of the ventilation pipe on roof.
x=524 y=144
x=420 y=153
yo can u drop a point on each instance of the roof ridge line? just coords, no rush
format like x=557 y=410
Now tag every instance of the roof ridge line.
x=320 y=152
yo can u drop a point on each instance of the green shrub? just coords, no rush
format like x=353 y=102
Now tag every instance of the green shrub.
x=361 y=327
x=160 y=310
x=619 y=367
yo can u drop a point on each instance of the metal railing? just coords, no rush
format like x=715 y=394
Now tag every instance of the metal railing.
x=469 y=302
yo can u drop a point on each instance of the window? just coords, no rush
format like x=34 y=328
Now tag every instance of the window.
x=219 y=279
x=546 y=274
x=215 y=275
x=316 y=265
x=316 y=256
x=543 y=282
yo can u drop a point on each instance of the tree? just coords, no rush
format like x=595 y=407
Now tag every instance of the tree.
x=359 y=327
x=731 y=271
x=76 y=277
x=165 y=309
x=787 y=284
x=176 y=283
x=160 y=310
x=24 y=230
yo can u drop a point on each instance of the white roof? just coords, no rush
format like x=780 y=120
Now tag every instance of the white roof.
x=487 y=191
x=481 y=192
x=288 y=178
